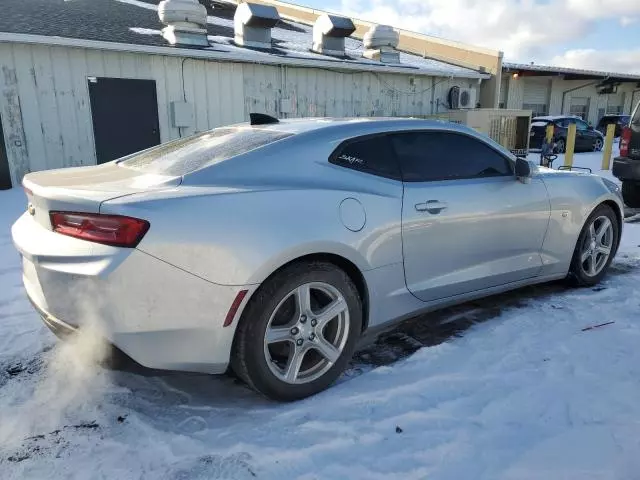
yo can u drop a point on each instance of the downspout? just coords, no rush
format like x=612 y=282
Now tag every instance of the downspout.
x=564 y=94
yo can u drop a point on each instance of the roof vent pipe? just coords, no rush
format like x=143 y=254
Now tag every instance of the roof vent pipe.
x=253 y=23
x=380 y=44
x=329 y=33
x=186 y=22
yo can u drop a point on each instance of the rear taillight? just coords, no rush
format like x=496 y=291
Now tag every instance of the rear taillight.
x=625 y=139
x=114 y=230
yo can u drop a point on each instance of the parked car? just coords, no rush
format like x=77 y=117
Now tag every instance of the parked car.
x=620 y=121
x=273 y=247
x=626 y=167
x=587 y=138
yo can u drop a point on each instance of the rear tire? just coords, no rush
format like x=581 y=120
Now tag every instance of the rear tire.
x=285 y=348
x=596 y=246
x=631 y=193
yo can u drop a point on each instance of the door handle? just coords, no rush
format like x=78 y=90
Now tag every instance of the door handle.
x=431 y=206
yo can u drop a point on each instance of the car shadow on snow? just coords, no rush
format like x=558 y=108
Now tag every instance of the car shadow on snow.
x=205 y=391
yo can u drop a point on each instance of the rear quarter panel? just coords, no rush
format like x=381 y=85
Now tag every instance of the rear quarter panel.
x=264 y=212
x=573 y=197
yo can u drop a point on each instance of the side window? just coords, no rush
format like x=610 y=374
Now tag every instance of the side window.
x=432 y=156
x=371 y=154
x=581 y=125
x=564 y=123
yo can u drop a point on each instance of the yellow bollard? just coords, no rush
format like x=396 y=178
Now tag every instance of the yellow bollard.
x=571 y=144
x=549 y=134
x=608 y=146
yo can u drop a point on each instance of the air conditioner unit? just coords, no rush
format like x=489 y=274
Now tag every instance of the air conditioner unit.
x=461 y=98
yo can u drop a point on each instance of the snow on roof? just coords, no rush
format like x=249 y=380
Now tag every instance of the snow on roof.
x=568 y=71
x=136 y=22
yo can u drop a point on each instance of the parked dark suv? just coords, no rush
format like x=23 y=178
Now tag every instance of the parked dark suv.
x=587 y=138
x=620 y=122
x=626 y=167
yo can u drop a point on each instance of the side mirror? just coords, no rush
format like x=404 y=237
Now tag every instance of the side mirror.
x=523 y=168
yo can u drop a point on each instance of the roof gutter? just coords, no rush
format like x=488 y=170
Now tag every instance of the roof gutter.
x=248 y=56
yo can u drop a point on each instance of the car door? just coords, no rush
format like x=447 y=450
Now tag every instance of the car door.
x=584 y=136
x=467 y=223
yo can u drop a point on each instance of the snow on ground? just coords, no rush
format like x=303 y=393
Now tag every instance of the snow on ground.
x=508 y=387
x=592 y=160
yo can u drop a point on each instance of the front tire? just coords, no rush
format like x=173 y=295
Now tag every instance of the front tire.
x=298 y=332
x=595 y=248
x=560 y=146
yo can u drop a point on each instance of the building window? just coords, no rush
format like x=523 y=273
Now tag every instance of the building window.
x=579 y=107
x=614 y=110
x=537 y=110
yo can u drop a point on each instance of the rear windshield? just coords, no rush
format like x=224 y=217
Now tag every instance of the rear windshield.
x=187 y=155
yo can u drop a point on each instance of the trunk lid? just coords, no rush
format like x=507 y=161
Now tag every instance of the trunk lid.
x=84 y=189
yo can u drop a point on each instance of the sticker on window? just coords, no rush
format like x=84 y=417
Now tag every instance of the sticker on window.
x=351 y=159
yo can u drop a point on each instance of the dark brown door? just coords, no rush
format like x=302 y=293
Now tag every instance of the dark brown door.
x=125 y=116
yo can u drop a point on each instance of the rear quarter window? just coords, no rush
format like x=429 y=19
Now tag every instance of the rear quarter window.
x=370 y=154
x=187 y=155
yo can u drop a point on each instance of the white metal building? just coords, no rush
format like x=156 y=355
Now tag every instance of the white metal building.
x=84 y=81
x=566 y=91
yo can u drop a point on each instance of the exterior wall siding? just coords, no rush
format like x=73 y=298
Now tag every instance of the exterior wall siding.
x=574 y=89
x=45 y=96
x=515 y=93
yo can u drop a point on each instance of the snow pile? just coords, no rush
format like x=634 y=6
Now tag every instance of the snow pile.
x=512 y=388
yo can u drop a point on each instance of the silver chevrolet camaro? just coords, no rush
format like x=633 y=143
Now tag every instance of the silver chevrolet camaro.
x=274 y=247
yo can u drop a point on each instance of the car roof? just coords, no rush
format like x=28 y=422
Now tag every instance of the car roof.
x=302 y=125
x=328 y=130
x=552 y=118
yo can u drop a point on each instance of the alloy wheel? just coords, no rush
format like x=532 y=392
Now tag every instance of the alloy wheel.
x=597 y=145
x=597 y=246
x=306 y=333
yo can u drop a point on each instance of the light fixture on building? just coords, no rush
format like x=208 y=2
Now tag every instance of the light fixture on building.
x=516 y=75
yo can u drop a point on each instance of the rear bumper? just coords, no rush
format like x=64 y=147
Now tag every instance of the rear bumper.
x=58 y=327
x=159 y=315
x=626 y=168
